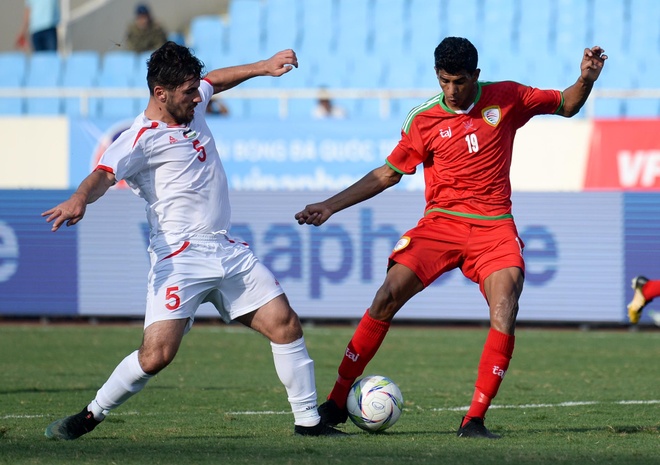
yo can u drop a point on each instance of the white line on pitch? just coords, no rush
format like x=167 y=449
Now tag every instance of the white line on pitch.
x=438 y=409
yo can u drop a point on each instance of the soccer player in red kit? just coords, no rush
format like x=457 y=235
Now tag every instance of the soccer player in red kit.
x=463 y=138
x=645 y=290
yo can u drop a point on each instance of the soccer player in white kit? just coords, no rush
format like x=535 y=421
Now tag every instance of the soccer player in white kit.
x=169 y=158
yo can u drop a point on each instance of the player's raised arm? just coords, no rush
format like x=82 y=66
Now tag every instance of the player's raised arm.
x=73 y=209
x=373 y=183
x=576 y=95
x=277 y=65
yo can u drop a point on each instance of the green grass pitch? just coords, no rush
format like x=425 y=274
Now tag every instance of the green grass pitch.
x=569 y=397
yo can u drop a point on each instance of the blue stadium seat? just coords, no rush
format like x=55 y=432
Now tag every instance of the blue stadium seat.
x=13 y=66
x=207 y=31
x=645 y=26
x=609 y=108
x=535 y=29
x=571 y=27
x=299 y=78
x=552 y=71
x=319 y=26
x=118 y=69
x=461 y=18
x=506 y=66
x=354 y=28
x=425 y=28
x=176 y=37
x=642 y=108
x=260 y=107
x=609 y=27
x=81 y=70
x=391 y=27
x=499 y=26
x=426 y=76
x=244 y=38
x=139 y=81
x=114 y=107
x=646 y=78
x=44 y=72
x=402 y=72
x=282 y=25
x=367 y=72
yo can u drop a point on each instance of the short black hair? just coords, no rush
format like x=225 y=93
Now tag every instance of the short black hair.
x=172 y=65
x=456 y=54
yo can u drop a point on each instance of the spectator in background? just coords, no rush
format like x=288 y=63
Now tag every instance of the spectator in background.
x=217 y=107
x=326 y=109
x=40 y=20
x=144 y=33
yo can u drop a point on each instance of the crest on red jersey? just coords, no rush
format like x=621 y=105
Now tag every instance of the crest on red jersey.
x=492 y=115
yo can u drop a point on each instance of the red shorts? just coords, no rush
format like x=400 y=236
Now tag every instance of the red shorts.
x=439 y=244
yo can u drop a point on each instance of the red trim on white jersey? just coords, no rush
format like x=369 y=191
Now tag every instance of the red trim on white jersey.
x=181 y=249
x=154 y=125
x=104 y=168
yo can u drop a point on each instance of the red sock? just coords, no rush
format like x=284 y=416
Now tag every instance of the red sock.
x=651 y=290
x=361 y=349
x=494 y=362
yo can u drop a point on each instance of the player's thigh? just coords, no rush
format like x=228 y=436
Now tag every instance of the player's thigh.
x=400 y=285
x=160 y=343
x=246 y=290
x=492 y=249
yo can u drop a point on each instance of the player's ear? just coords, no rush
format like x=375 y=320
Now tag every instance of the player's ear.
x=475 y=75
x=160 y=94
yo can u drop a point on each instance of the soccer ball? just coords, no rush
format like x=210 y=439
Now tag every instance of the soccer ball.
x=374 y=403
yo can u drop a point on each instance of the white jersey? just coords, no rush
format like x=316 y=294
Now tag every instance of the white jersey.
x=177 y=170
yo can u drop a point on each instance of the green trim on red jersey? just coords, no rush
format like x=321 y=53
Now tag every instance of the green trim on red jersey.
x=470 y=215
x=561 y=105
x=430 y=103
x=387 y=162
x=476 y=99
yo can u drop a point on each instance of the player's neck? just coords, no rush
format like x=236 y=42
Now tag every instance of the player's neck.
x=155 y=112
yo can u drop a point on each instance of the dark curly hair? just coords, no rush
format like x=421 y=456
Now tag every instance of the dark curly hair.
x=172 y=65
x=456 y=54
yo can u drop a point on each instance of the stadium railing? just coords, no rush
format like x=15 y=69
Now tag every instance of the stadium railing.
x=284 y=97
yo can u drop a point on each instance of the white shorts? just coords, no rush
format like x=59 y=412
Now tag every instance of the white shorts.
x=205 y=268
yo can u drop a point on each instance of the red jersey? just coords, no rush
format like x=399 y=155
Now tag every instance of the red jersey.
x=467 y=154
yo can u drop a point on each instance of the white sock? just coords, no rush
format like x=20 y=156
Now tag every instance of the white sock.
x=296 y=371
x=127 y=379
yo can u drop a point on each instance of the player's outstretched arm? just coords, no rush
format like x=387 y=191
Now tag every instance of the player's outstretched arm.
x=373 y=183
x=277 y=65
x=576 y=95
x=72 y=210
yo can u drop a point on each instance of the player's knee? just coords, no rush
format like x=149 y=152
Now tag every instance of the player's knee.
x=153 y=361
x=385 y=304
x=288 y=330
